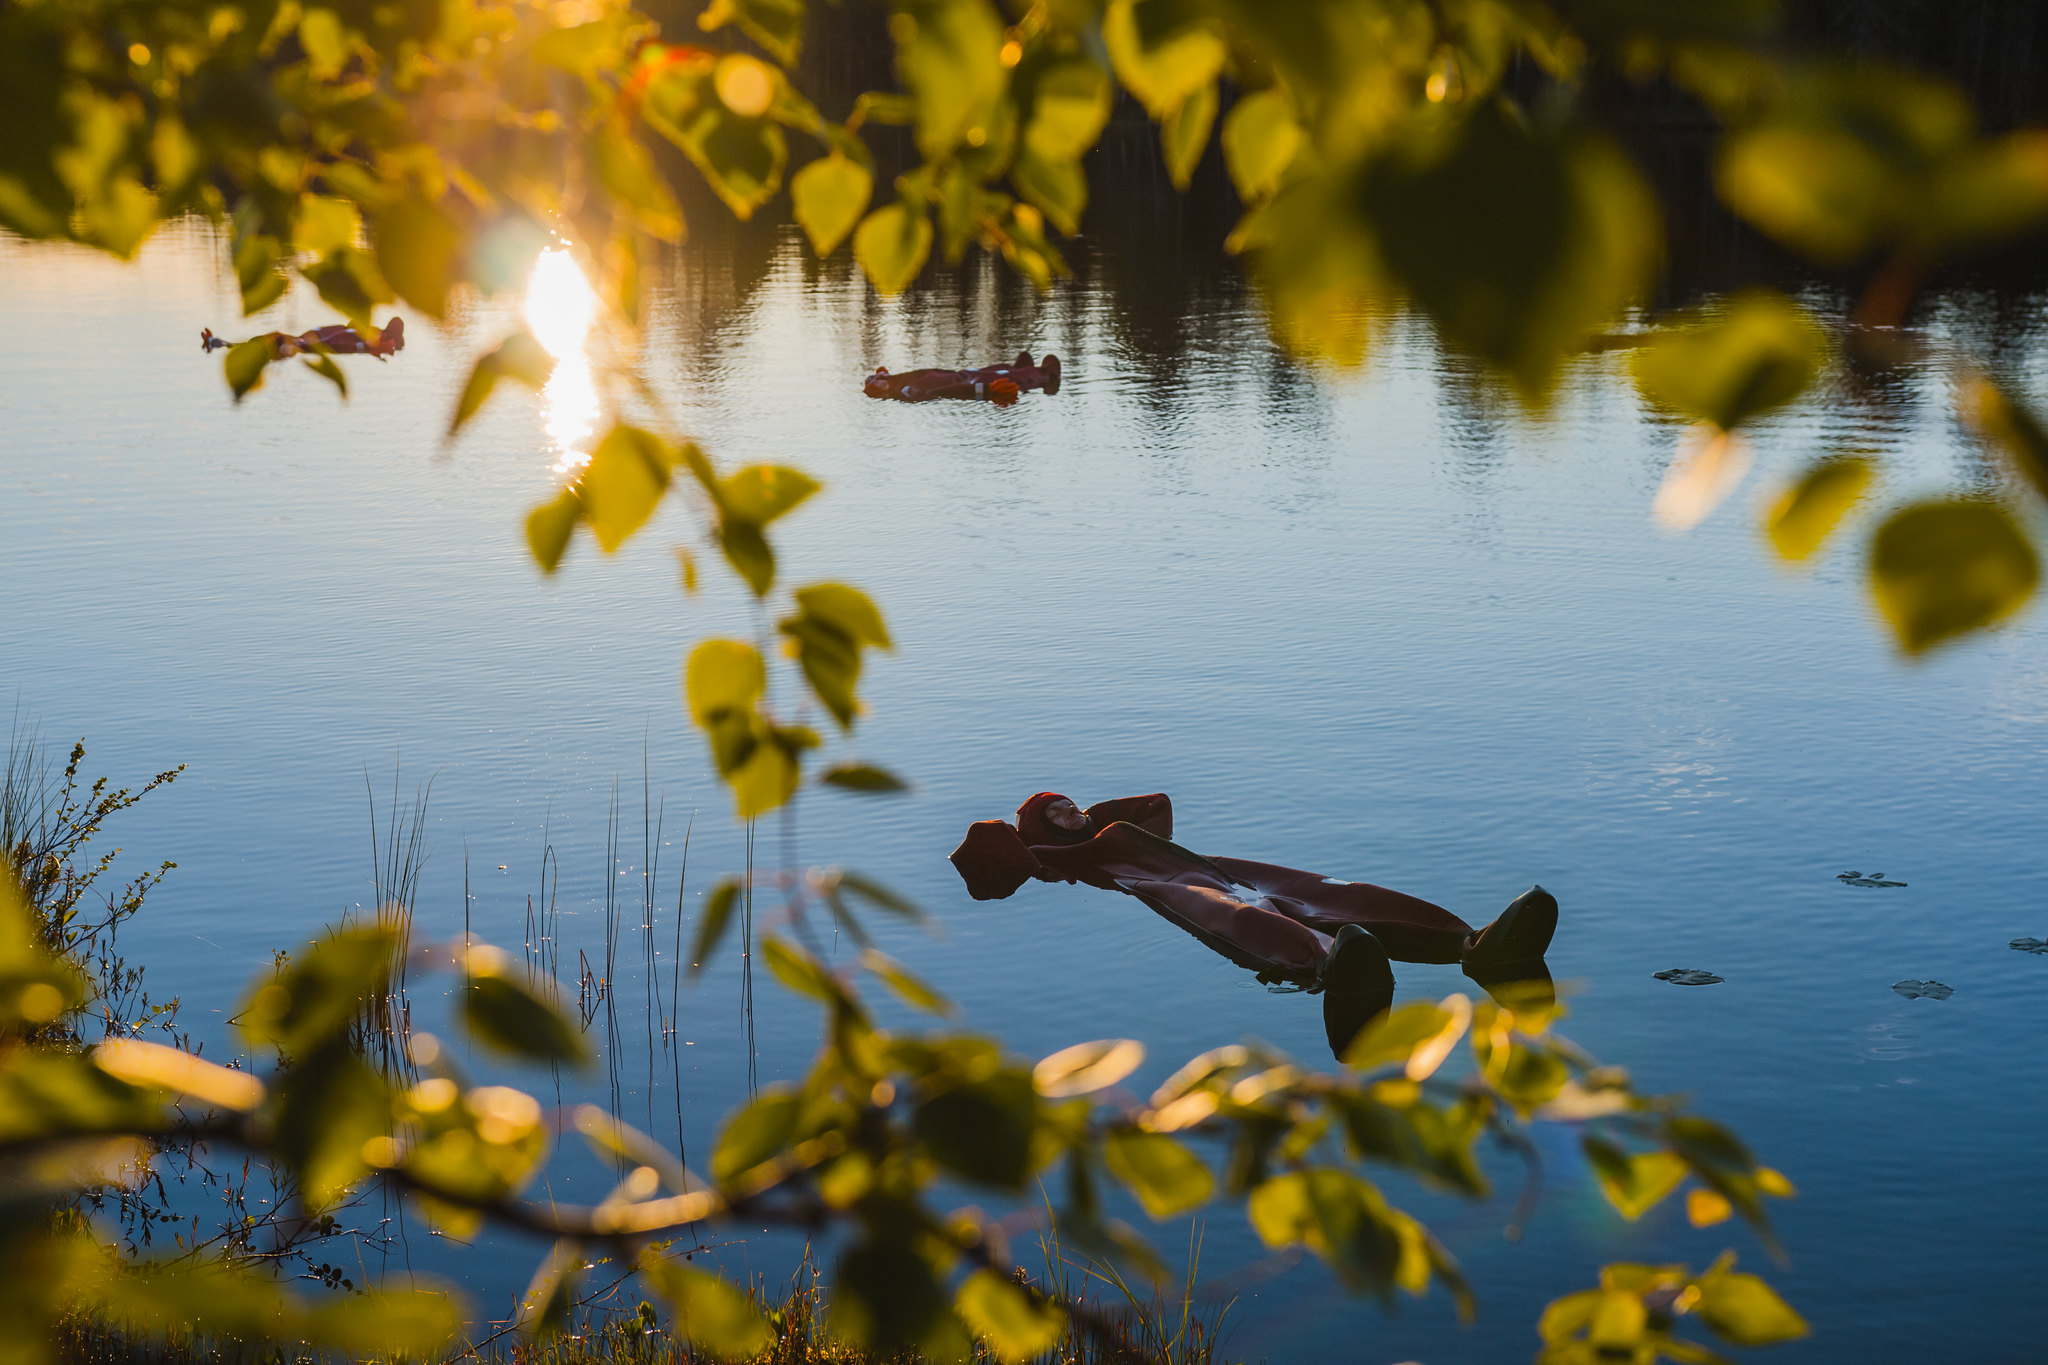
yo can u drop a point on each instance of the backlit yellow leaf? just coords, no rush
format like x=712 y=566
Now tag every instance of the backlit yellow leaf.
x=623 y=483
x=1808 y=511
x=892 y=244
x=828 y=197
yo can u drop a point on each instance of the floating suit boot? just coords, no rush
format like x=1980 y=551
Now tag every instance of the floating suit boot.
x=1520 y=933
x=1506 y=957
x=1358 y=986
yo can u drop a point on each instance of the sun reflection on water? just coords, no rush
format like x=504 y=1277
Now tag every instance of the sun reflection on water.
x=560 y=308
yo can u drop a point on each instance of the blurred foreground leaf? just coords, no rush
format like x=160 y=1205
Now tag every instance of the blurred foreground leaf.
x=1808 y=512
x=1945 y=568
x=1758 y=353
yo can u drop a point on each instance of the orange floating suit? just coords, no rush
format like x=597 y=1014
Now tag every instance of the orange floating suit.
x=1285 y=924
x=999 y=384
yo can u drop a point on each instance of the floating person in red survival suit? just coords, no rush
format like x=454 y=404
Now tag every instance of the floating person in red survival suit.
x=339 y=339
x=1000 y=384
x=1325 y=935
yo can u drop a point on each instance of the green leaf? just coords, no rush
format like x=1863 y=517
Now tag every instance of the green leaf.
x=549 y=1303
x=209 y=1299
x=623 y=483
x=1742 y=1309
x=36 y=985
x=948 y=54
x=763 y=779
x=1319 y=270
x=880 y=896
x=518 y=357
x=748 y=552
x=906 y=984
x=828 y=197
x=419 y=251
x=1636 y=1183
x=2006 y=420
x=387 y=1323
x=1944 y=568
x=1852 y=155
x=348 y=279
x=711 y=924
x=777 y=25
x=1518 y=246
x=760 y=1130
x=981 y=1130
x=328 y=1106
x=313 y=999
x=1817 y=189
x=710 y=1313
x=325 y=41
x=892 y=245
x=830 y=661
x=1758 y=353
x=1163 y=50
x=510 y=1018
x=1059 y=189
x=740 y=157
x=1085 y=1068
x=47 y=1095
x=1184 y=134
x=1993 y=190
x=258 y=256
x=763 y=492
x=1167 y=1178
x=848 y=610
x=863 y=777
x=1418 y=1029
x=833 y=625
x=1016 y=1326
x=324 y=224
x=799 y=971
x=549 y=526
x=324 y=366
x=1345 y=1221
x=245 y=362
x=1261 y=136
x=1808 y=511
x=887 y=1301
x=1070 y=106
x=1615 y=1330
x=1565 y=1318
x=630 y=175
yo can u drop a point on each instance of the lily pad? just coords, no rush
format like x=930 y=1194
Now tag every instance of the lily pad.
x=1687 y=976
x=1859 y=879
x=2029 y=945
x=1914 y=990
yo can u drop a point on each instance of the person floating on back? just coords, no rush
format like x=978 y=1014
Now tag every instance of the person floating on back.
x=337 y=339
x=999 y=384
x=1325 y=935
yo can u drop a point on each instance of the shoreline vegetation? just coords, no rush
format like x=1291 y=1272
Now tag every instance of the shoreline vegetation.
x=101 y=1216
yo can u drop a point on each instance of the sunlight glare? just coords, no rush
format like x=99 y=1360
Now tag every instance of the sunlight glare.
x=560 y=308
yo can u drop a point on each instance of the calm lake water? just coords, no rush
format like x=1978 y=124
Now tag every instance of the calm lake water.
x=1383 y=628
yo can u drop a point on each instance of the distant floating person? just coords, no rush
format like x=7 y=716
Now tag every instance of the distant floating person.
x=999 y=384
x=1325 y=935
x=339 y=339
x=1861 y=879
